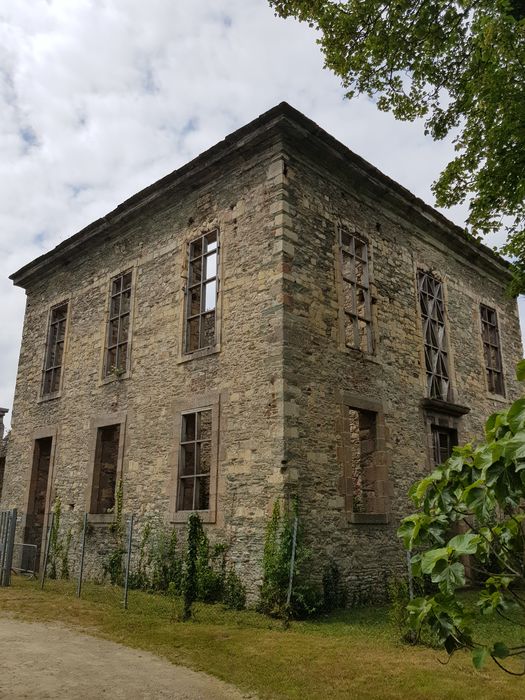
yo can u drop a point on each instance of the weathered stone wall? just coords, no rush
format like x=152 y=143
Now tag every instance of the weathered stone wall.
x=282 y=375
x=246 y=374
x=322 y=194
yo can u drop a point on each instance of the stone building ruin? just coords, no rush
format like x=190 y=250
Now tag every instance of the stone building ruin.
x=276 y=318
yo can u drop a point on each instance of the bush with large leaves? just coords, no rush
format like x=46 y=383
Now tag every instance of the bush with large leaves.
x=480 y=492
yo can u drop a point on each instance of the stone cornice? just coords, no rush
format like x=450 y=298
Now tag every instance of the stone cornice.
x=279 y=120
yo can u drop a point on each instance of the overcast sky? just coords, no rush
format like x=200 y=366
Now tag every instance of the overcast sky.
x=100 y=98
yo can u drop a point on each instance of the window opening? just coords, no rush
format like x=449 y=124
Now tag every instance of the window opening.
x=433 y=318
x=105 y=469
x=195 y=460
x=201 y=297
x=492 y=350
x=356 y=293
x=362 y=448
x=117 y=339
x=443 y=441
x=54 y=350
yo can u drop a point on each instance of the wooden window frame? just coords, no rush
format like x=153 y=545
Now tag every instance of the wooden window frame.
x=46 y=396
x=347 y=248
x=494 y=376
x=109 y=373
x=197 y=404
x=200 y=287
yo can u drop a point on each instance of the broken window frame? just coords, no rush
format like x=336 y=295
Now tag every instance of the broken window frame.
x=355 y=249
x=201 y=249
x=197 y=476
x=491 y=340
x=120 y=288
x=56 y=338
x=444 y=439
x=103 y=421
x=379 y=488
x=433 y=321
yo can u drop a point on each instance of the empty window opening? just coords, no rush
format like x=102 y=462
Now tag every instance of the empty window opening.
x=54 y=358
x=195 y=460
x=201 y=296
x=363 y=431
x=356 y=293
x=105 y=469
x=492 y=350
x=432 y=306
x=118 y=331
x=38 y=488
x=443 y=441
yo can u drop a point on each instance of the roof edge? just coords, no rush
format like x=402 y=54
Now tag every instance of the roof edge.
x=281 y=111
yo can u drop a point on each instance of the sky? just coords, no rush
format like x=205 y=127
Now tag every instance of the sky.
x=100 y=98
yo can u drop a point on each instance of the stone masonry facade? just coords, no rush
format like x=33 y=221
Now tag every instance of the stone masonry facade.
x=294 y=408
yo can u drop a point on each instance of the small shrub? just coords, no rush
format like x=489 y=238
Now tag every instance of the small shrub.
x=306 y=599
x=166 y=564
x=189 y=579
x=234 y=591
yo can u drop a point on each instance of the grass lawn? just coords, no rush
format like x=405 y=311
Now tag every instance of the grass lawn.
x=352 y=654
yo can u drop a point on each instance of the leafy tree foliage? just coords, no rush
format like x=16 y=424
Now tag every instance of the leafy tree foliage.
x=472 y=506
x=459 y=65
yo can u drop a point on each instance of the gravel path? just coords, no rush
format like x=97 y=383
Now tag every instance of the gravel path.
x=49 y=661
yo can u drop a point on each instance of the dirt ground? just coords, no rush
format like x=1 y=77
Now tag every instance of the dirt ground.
x=50 y=661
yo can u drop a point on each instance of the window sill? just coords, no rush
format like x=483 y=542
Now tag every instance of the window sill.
x=182 y=516
x=497 y=397
x=101 y=518
x=49 y=397
x=113 y=378
x=366 y=356
x=205 y=352
x=446 y=407
x=368 y=518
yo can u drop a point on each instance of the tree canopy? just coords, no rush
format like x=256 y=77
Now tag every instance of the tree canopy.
x=459 y=65
x=473 y=506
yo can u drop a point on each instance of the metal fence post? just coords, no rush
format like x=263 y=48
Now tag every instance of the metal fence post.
x=46 y=553
x=10 y=547
x=128 y=560
x=4 y=521
x=8 y=531
x=83 y=547
x=292 y=562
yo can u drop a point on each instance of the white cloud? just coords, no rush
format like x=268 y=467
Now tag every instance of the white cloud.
x=99 y=98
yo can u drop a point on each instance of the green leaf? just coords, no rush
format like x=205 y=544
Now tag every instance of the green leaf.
x=520 y=371
x=479 y=656
x=516 y=415
x=464 y=544
x=429 y=559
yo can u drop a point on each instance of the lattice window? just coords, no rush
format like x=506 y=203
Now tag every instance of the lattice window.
x=56 y=338
x=118 y=331
x=356 y=292
x=195 y=460
x=436 y=353
x=443 y=440
x=201 y=295
x=492 y=350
